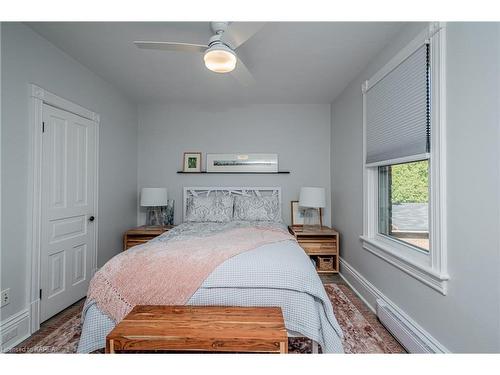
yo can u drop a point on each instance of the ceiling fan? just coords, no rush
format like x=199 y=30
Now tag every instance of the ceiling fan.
x=220 y=51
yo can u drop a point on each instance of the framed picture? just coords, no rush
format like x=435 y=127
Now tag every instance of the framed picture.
x=238 y=163
x=297 y=214
x=192 y=162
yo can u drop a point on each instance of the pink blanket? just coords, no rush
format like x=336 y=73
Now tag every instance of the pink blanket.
x=169 y=273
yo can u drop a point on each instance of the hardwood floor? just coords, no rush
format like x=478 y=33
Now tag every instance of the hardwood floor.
x=332 y=279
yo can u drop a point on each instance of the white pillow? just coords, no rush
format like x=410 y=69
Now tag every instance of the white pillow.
x=265 y=208
x=209 y=209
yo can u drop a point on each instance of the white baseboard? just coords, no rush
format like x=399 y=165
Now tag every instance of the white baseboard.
x=14 y=330
x=358 y=283
x=35 y=315
x=411 y=335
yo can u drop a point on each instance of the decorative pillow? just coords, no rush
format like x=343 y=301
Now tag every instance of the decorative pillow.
x=264 y=208
x=214 y=208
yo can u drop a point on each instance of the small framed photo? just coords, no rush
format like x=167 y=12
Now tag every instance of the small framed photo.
x=297 y=214
x=192 y=162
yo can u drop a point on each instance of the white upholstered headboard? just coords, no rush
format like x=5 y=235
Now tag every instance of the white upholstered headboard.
x=245 y=191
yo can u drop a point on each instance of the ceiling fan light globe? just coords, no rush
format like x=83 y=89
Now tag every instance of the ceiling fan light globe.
x=220 y=59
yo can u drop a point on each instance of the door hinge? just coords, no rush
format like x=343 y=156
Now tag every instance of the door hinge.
x=40 y=294
x=43 y=127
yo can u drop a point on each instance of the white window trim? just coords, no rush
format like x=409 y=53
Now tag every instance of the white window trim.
x=429 y=268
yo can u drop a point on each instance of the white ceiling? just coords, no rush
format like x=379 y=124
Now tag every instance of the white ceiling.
x=292 y=62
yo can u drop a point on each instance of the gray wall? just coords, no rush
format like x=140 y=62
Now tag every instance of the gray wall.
x=300 y=134
x=467 y=319
x=28 y=58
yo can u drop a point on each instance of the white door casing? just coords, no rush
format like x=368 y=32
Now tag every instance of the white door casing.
x=67 y=208
x=38 y=97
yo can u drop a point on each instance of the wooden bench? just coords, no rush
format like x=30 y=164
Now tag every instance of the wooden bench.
x=200 y=329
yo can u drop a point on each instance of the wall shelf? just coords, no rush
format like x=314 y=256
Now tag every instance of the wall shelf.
x=205 y=172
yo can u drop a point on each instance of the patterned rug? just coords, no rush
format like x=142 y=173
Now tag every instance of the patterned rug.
x=363 y=333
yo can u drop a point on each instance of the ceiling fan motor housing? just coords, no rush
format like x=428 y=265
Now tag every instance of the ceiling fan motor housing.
x=219 y=27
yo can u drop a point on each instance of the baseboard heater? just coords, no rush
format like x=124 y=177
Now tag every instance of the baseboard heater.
x=398 y=326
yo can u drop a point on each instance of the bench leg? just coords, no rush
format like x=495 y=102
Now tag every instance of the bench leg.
x=314 y=347
x=284 y=347
x=110 y=346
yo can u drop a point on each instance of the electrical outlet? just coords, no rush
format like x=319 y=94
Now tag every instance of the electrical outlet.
x=5 y=297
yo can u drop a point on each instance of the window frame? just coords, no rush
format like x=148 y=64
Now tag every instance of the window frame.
x=428 y=267
x=393 y=238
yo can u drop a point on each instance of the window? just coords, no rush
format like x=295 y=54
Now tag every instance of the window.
x=404 y=160
x=403 y=202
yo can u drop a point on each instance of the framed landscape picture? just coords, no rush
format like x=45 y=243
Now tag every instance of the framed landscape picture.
x=192 y=162
x=242 y=163
x=297 y=216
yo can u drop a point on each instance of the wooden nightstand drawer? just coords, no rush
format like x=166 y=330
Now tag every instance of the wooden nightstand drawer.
x=131 y=243
x=141 y=235
x=318 y=248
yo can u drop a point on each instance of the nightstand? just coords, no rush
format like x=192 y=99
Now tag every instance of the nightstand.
x=321 y=245
x=142 y=234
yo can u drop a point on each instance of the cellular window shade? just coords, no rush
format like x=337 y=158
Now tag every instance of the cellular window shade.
x=398 y=112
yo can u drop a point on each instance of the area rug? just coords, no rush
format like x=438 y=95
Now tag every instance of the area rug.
x=363 y=333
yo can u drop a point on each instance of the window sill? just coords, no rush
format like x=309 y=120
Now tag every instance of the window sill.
x=422 y=272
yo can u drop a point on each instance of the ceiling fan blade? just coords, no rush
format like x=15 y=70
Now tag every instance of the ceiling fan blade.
x=242 y=74
x=238 y=33
x=171 y=46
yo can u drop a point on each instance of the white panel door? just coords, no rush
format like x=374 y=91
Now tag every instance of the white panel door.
x=68 y=194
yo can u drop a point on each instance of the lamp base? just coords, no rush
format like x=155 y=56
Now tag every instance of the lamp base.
x=312 y=220
x=153 y=217
x=160 y=215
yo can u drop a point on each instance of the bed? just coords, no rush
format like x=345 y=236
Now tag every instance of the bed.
x=259 y=264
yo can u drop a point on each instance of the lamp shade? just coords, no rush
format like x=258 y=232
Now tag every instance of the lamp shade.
x=154 y=197
x=313 y=197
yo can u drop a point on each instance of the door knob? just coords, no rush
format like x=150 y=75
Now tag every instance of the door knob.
x=91 y=218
